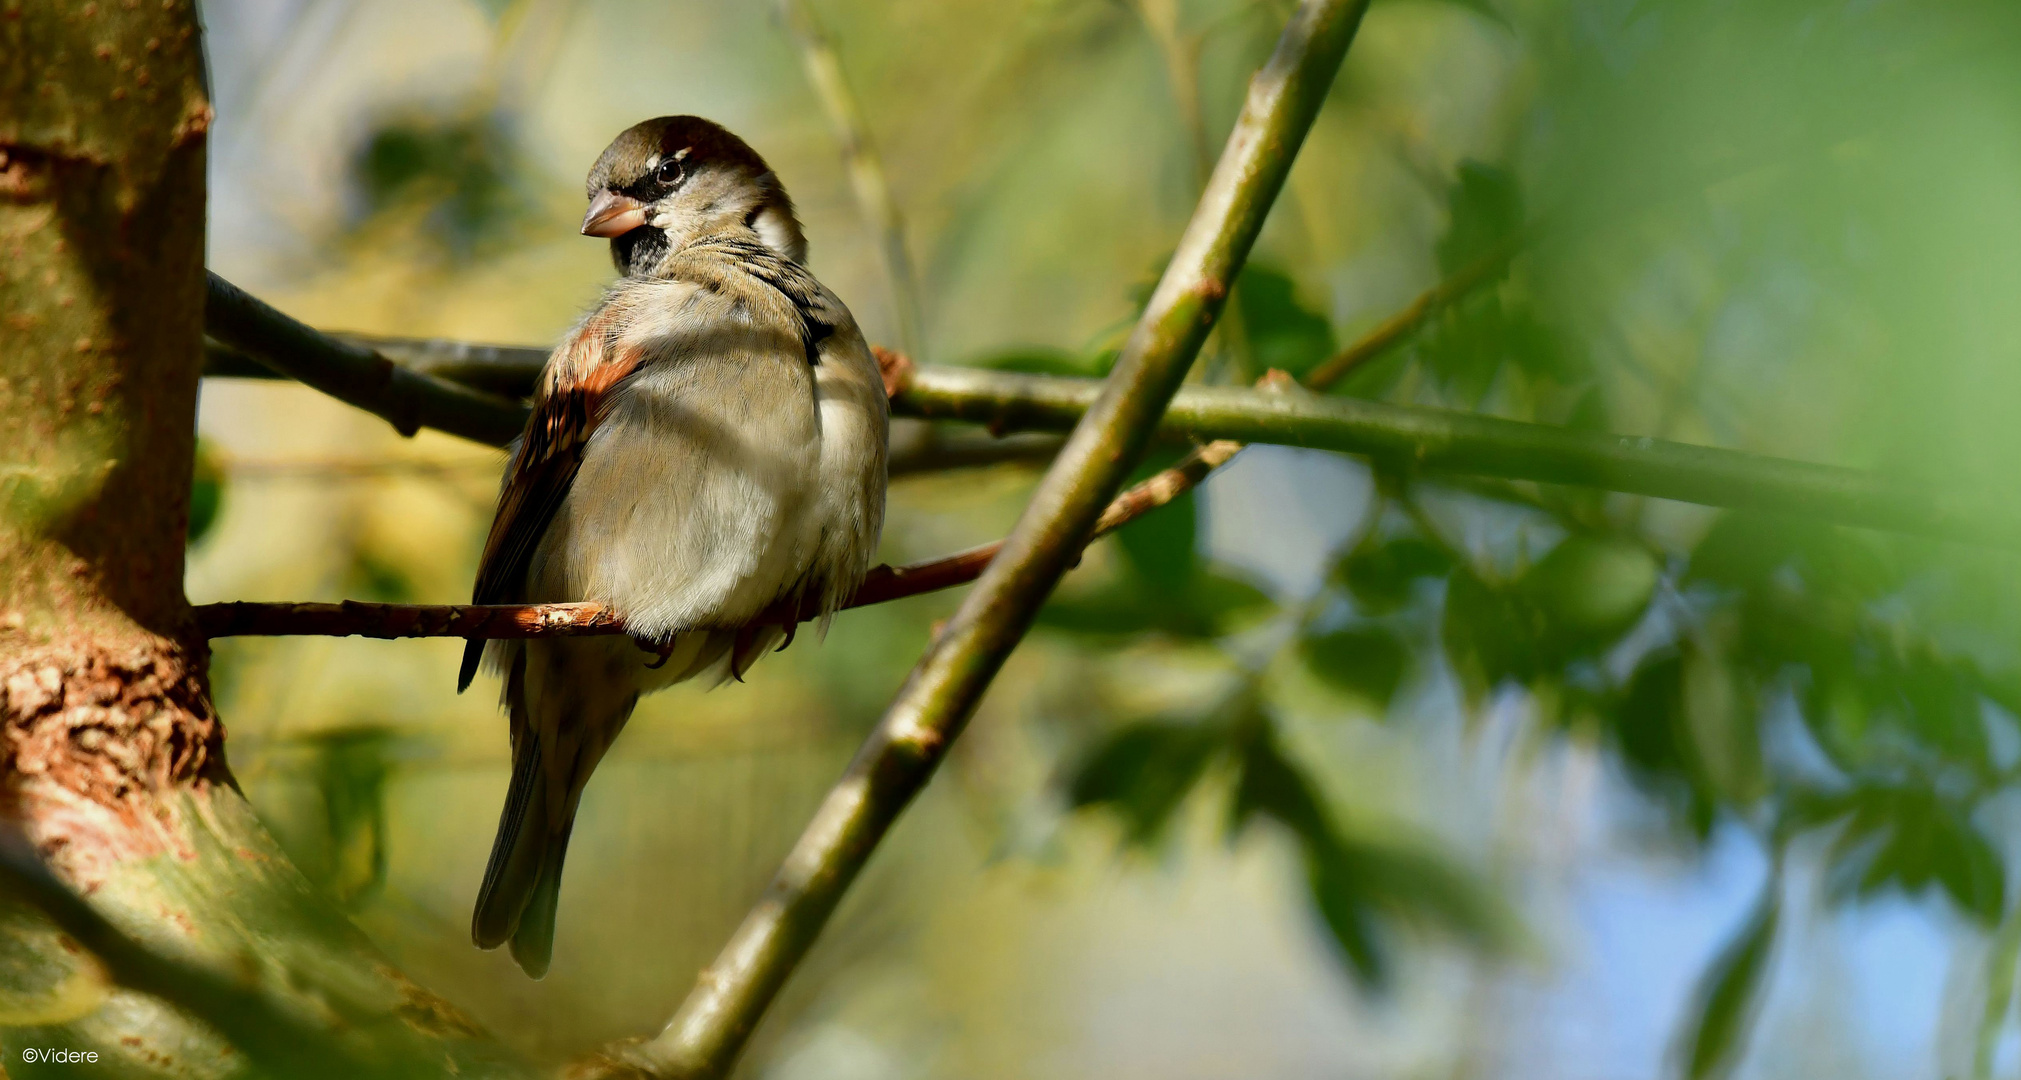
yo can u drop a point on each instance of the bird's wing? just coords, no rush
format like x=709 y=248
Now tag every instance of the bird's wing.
x=568 y=405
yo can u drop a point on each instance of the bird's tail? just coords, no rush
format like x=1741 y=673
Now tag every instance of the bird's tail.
x=522 y=880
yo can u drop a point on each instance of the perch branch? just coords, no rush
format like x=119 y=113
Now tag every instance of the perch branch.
x=711 y=1027
x=355 y=618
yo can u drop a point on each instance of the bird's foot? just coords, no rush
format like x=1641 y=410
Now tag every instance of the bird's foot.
x=661 y=649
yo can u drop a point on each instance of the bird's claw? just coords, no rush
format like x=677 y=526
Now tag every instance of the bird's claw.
x=661 y=649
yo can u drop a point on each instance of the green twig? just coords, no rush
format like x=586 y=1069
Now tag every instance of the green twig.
x=1435 y=441
x=1393 y=330
x=866 y=172
x=1416 y=439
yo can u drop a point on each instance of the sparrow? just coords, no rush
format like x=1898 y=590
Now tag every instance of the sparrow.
x=708 y=444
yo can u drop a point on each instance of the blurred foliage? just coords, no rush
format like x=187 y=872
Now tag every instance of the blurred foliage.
x=1785 y=226
x=457 y=177
x=206 y=492
x=1165 y=588
x=1673 y=651
x=1363 y=887
x=1285 y=333
x=1729 y=994
x=337 y=830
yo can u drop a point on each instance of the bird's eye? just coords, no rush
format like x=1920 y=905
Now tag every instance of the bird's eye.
x=669 y=173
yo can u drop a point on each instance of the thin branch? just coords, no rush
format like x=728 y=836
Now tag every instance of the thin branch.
x=866 y=172
x=919 y=448
x=351 y=373
x=1177 y=480
x=355 y=618
x=706 y=1035
x=276 y=1040
x=1410 y=439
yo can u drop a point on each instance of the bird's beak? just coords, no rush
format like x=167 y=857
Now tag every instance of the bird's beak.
x=611 y=214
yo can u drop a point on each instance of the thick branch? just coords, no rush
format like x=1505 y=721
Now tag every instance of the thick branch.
x=705 y=1036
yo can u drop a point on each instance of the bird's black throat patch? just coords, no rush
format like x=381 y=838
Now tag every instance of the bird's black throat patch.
x=639 y=252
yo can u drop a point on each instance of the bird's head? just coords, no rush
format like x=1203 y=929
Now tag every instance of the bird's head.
x=667 y=182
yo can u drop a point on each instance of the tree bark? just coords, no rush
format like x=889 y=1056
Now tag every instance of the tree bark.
x=111 y=756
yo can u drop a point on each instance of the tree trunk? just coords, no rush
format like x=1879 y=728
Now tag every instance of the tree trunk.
x=112 y=757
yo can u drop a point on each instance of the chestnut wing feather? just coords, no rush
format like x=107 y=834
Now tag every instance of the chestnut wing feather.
x=566 y=411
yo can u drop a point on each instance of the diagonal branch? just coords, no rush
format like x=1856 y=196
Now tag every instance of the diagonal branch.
x=706 y=1035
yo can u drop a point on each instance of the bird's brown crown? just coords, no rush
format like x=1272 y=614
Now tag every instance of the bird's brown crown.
x=633 y=154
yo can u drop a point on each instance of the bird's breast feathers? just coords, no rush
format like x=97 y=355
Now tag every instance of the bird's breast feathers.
x=728 y=438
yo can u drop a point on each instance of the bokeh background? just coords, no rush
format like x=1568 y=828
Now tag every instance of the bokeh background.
x=1333 y=771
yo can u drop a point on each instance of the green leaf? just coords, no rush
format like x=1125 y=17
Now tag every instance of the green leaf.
x=1484 y=207
x=2002 y=961
x=373 y=577
x=1468 y=347
x=1592 y=588
x=1381 y=574
x=1271 y=785
x=1225 y=601
x=464 y=169
x=1910 y=838
x=206 y=492
x=1419 y=885
x=1337 y=894
x=1742 y=550
x=1729 y=991
x=1142 y=773
x=1590 y=413
x=1488 y=636
x=1211 y=605
x=1365 y=660
x=1465 y=349
x=1160 y=547
x=1357 y=883
x=349 y=769
x=1745 y=550
x=1971 y=871
x=1720 y=728
x=1284 y=333
x=1479 y=7
x=1943 y=702
x=1648 y=726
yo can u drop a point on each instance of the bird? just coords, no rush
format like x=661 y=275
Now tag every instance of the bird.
x=705 y=447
